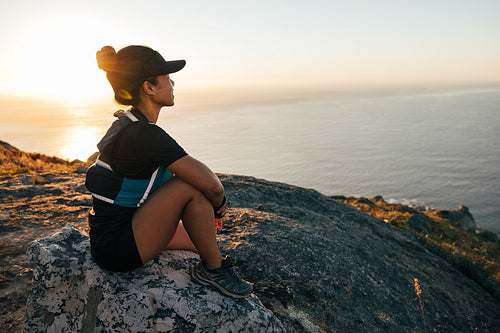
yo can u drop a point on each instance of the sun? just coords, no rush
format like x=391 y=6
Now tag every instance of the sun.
x=57 y=60
x=80 y=142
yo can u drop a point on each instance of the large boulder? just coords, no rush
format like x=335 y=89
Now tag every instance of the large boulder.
x=420 y=223
x=72 y=294
x=324 y=266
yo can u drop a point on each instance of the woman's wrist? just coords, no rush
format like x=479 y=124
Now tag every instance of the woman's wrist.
x=224 y=201
x=217 y=208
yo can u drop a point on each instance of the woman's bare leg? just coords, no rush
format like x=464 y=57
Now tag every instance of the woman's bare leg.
x=181 y=240
x=156 y=221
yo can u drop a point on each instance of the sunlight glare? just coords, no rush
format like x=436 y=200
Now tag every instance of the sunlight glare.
x=80 y=142
x=59 y=62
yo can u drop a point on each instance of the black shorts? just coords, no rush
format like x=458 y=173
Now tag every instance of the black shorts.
x=112 y=243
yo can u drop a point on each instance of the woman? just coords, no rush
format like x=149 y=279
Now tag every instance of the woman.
x=144 y=183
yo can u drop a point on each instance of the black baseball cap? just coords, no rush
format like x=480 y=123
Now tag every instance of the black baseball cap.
x=136 y=61
x=156 y=65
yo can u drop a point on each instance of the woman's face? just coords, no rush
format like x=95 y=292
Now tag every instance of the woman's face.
x=165 y=90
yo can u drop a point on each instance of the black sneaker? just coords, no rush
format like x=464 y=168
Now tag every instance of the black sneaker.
x=223 y=278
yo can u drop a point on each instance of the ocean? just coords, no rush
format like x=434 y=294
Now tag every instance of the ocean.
x=436 y=147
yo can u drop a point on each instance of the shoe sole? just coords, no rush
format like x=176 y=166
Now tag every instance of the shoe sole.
x=205 y=282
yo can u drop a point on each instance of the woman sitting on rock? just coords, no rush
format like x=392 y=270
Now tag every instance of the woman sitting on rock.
x=144 y=183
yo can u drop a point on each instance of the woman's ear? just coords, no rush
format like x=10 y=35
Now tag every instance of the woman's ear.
x=148 y=88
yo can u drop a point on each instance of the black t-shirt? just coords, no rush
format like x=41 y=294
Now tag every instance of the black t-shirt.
x=141 y=148
x=138 y=151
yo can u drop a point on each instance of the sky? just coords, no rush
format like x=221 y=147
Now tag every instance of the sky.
x=48 y=47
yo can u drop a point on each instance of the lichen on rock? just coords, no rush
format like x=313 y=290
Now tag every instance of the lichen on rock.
x=71 y=293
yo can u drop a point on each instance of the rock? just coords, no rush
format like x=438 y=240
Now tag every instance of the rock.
x=405 y=209
x=364 y=201
x=420 y=223
x=93 y=158
x=461 y=218
x=377 y=198
x=420 y=208
x=81 y=169
x=338 y=197
x=71 y=293
x=7 y=146
x=464 y=209
x=324 y=266
x=489 y=235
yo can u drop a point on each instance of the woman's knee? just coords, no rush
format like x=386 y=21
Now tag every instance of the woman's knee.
x=187 y=189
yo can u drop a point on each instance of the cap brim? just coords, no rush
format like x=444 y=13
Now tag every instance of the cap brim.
x=171 y=66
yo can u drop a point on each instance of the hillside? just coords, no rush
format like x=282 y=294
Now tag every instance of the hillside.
x=319 y=264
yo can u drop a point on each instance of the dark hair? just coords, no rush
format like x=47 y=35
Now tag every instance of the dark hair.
x=124 y=71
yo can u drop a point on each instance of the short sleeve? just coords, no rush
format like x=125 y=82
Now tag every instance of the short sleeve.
x=159 y=146
x=141 y=148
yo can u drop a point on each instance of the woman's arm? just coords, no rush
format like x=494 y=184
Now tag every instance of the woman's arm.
x=199 y=176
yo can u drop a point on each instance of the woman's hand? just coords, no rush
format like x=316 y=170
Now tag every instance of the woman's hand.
x=219 y=213
x=221 y=210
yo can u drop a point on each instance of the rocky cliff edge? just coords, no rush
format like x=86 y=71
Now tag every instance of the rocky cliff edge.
x=318 y=264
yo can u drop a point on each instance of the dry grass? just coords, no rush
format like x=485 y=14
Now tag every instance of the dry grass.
x=418 y=291
x=16 y=161
x=466 y=245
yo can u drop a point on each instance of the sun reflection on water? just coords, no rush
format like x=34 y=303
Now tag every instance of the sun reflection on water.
x=80 y=142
